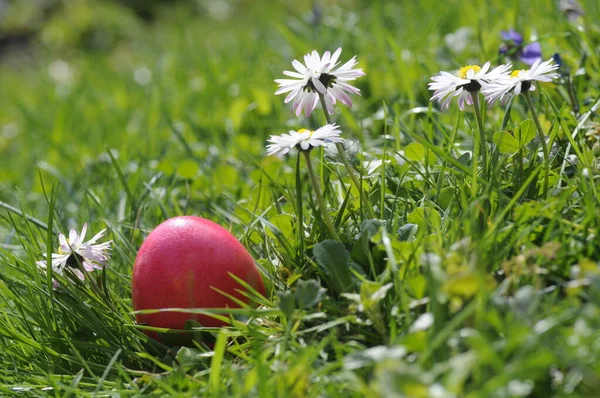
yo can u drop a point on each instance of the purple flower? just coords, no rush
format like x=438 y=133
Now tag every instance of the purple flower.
x=513 y=47
x=512 y=36
x=531 y=53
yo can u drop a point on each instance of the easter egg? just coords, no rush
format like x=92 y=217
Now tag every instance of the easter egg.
x=186 y=262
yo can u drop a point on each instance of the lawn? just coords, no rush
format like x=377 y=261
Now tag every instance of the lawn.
x=434 y=253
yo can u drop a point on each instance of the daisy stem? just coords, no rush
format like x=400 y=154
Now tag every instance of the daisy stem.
x=320 y=201
x=542 y=139
x=344 y=156
x=482 y=140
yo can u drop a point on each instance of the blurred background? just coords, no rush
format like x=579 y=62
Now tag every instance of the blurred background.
x=101 y=25
x=183 y=89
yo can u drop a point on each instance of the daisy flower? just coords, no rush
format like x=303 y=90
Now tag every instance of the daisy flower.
x=319 y=75
x=303 y=139
x=469 y=80
x=74 y=251
x=520 y=80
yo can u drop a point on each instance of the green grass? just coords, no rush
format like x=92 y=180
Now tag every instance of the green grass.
x=462 y=286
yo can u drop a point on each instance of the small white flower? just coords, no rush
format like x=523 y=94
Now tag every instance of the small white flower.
x=61 y=71
x=469 y=80
x=520 y=80
x=303 y=139
x=142 y=76
x=73 y=250
x=319 y=75
x=423 y=322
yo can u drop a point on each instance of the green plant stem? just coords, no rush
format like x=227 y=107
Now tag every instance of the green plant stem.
x=482 y=140
x=320 y=201
x=542 y=139
x=346 y=162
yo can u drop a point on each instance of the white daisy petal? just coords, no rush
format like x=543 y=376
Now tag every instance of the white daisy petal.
x=485 y=68
x=329 y=101
x=347 y=88
x=336 y=56
x=97 y=236
x=309 y=100
x=304 y=140
x=319 y=75
x=299 y=66
x=339 y=94
x=520 y=80
x=88 y=266
x=518 y=88
x=63 y=242
x=90 y=254
x=290 y=96
x=72 y=236
x=469 y=79
x=319 y=86
x=79 y=274
x=82 y=234
x=326 y=58
x=293 y=74
x=304 y=145
x=288 y=85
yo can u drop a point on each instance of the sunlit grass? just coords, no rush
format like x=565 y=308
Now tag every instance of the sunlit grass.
x=461 y=285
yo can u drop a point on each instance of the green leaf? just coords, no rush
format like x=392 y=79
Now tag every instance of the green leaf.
x=333 y=257
x=309 y=293
x=525 y=133
x=188 y=169
x=284 y=223
x=465 y=159
x=506 y=142
x=415 y=152
x=445 y=197
x=407 y=231
x=190 y=357
x=286 y=303
x=509 y=143
x=466 y=285
x=417 y=286
x=361 y=251
x=424 y=217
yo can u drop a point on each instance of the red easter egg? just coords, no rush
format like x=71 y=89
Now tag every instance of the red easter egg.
x=181 y=263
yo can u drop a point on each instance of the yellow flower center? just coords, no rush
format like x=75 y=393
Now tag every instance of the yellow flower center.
x=462 y=73
x=515 y=73
x=310 y=132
